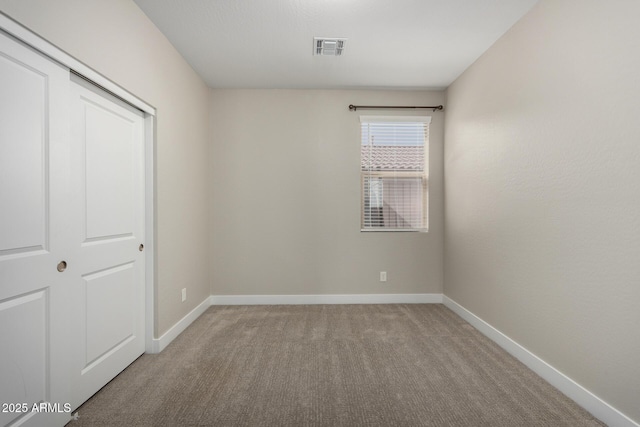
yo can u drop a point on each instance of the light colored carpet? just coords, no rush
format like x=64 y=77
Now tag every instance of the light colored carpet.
x=330 y=365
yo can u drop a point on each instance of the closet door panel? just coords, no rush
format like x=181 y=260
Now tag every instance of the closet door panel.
x=110 y=153
x=24 y=134
x=34 y=167
x=107 y=140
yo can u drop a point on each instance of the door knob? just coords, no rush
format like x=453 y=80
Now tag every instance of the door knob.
x=141 y=247
x=62 y=266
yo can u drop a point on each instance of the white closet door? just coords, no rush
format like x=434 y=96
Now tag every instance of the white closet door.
x=34 y=194
x=107 y=143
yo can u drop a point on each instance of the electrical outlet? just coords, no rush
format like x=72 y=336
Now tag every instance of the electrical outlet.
x=184 y=294
x=383 y=276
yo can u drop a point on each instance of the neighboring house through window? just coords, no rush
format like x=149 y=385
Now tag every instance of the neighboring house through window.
x=394 y=173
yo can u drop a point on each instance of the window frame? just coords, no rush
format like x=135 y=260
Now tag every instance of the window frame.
x=426 y=121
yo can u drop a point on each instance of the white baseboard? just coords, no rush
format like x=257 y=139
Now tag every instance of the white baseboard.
x=326 y=299
x=161 y=343
x=583 y=397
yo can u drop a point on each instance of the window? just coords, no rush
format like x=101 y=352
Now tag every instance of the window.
x=394 y=159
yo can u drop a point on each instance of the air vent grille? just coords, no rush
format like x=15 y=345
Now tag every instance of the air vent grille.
x=328 y=46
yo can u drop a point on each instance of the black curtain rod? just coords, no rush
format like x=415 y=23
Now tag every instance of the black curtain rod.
x=390 y=107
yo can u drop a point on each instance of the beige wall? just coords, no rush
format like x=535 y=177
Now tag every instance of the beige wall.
x=542 y=164
x=286 y=197
x=115 y=38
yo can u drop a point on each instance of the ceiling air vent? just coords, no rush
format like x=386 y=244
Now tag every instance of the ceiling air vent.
x=328 y=46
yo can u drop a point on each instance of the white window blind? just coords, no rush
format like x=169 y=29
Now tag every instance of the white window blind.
x=394 y=173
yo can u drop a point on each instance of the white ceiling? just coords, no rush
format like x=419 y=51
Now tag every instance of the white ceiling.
x=391 y=43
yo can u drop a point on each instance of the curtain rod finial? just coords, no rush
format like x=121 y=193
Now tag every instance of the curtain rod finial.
x=352 y=107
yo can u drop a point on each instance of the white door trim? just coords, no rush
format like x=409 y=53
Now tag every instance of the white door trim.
x=45 y=47
x=20 y=32
x=150 y=228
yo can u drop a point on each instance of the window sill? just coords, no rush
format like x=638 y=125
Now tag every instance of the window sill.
x=401 y=230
